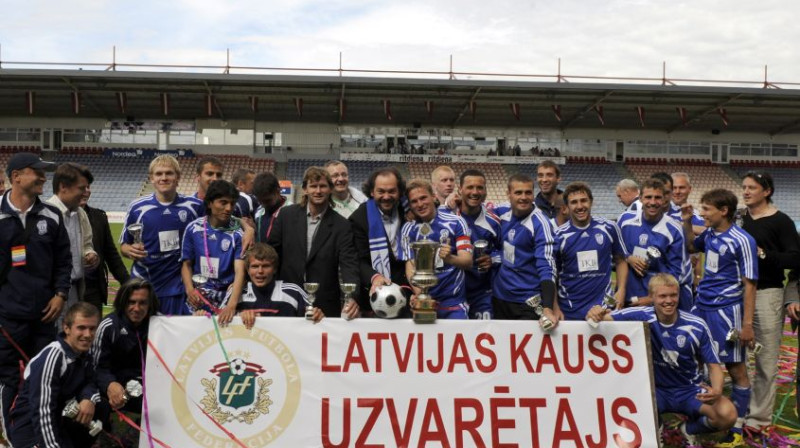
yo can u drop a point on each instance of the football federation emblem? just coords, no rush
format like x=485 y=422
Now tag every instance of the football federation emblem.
x=511 y=235
x=599 y=238
x=723 y=248
x=238 y=385
x=681 y=340
x=182 y=215
x=41 y=226
x=643 y=240
x=255 y=395
x=225 y=245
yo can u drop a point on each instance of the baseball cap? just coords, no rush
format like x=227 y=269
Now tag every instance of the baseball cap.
x=22 y=160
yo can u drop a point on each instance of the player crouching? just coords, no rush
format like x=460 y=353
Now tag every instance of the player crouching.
x=678 y=339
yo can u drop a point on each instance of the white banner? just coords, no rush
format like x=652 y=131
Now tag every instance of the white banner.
x=444 y=159
x=377 y=383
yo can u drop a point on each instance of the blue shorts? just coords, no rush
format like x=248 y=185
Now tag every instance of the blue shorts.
x=452 y=311
x=173 y=305
x=720 y=321
x=578 y=311
x=682 y=400
x=480 y=306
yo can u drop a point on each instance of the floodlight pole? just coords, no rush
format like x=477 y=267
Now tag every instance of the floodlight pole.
x=227 y=61
x=340 y=64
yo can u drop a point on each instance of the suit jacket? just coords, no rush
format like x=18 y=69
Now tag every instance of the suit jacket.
x=331 y=253
x=110 y=259
x=361 y=240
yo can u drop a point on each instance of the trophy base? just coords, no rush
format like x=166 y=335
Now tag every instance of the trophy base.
x=309 y=313
x=425 y=311
x=423 y=317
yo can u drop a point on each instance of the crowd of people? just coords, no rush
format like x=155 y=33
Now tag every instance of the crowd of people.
x=707 y=277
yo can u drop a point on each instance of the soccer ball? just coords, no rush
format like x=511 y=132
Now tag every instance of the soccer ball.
x=387 y=301
x=238 y=366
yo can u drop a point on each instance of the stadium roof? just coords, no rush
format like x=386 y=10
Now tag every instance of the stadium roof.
x=667 y=108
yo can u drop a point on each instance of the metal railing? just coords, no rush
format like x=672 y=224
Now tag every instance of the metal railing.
x=451 y=73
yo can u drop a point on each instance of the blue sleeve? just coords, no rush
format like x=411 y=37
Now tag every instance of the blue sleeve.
x=101 y=353
x=125 y=236
x=237 y=243
x=44 y=385
x=405 y=242
x=545 y=248
x=635 y=314
x=89 y=391
x=675 y=255
x=463 y=235
x=617 y=243
x=747 y=260
x=187 y=245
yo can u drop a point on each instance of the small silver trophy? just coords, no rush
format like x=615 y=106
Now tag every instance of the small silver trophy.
x=198 y=281
x=479 y=250
x=426 y=253
x=71 y=409
x=133 y=389
x=609 y=303
x=135 y=230
x=535 y=302
x=347 y=296
x=733 y=336
x=653 y=254
x=311 y=289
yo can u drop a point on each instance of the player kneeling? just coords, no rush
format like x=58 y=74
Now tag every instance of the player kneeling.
x=265 y=296
x=678 y=339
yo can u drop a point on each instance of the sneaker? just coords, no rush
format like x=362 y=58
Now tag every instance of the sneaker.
x=734 y=439
x=691 y=439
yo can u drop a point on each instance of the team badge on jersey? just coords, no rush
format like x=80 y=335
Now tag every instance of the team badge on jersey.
x=599 y=238
x=681 y=340
x=643 y=240
x=182 y=215
x=41 y=226
x=511 y=235
x=443 y=236
x=225 y=245
x=722 y=249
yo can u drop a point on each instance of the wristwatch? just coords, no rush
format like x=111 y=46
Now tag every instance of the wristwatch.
x=62 y=294
x=761 y=254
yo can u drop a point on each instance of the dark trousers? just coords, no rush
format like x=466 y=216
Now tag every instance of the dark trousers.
x=505 y=310
x=31 y=336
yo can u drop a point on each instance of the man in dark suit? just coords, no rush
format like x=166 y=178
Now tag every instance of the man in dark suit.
x=382 y=216
x=96 y=281
x=315 y=245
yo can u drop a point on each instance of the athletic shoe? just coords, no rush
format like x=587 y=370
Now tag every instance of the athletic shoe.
x=691 y=439
x=734 y=439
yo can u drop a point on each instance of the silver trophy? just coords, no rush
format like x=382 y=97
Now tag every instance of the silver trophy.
x=135 y=230
x=311 y=289
x=535 y=302
x=133 y=389
x=347 y=296
x=425 y=254
x=71 y=410
x=733 y=336
x=609 y=303
x=653 y=254
x=198 y=281
x=479 y=250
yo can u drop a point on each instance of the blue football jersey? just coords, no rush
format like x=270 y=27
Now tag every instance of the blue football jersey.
x=224 y=247
x=246 y=206
x=585 y=259
x=679 y=350
x=665 y=235
x=162 y=232
x=446 y=228
x=527 y=256
x=675 y=213
x=484 y=226
x=730 y=255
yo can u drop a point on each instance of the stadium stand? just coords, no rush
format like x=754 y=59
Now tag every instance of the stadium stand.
x=704 y=175
x=787 y=183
